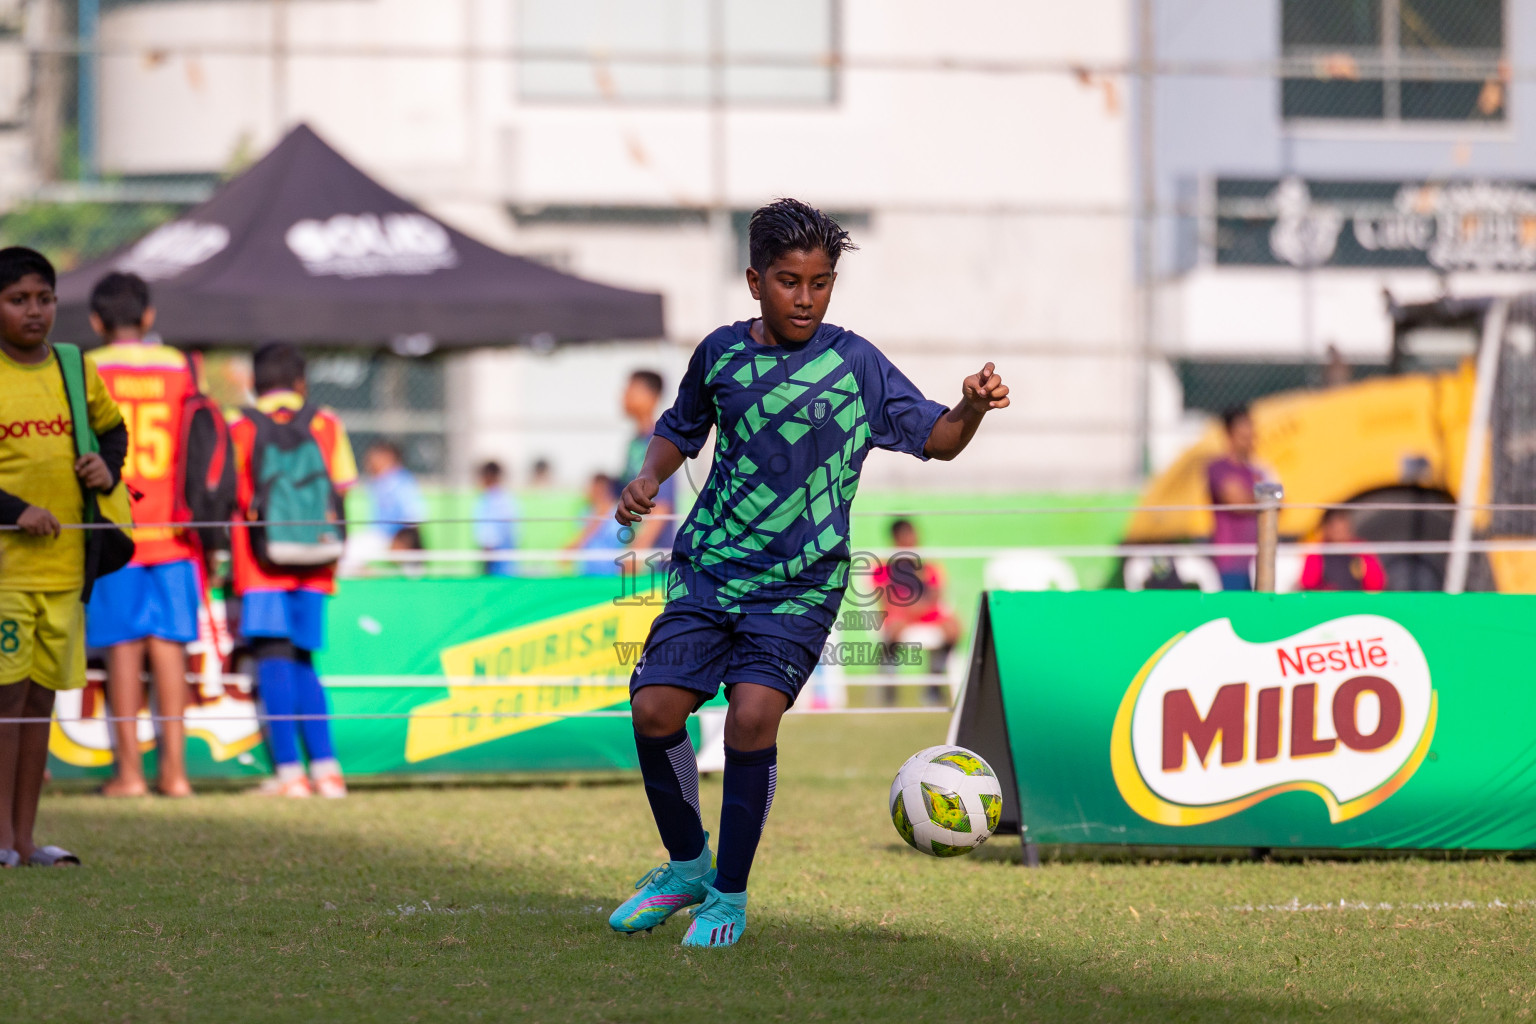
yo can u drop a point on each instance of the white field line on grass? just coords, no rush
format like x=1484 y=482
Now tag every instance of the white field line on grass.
x=424 y=908
x=1295 y=906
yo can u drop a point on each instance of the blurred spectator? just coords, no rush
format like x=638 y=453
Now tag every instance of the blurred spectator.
x=398 y=509
x=601 y=532
x=1341 y=571
x=397 y=501
x=282 y=607
x=1337 y=372
x=641 y=397
x=1231 y=479
x=542 y=476
x=495 y=518
x=912 y=598
x=147 y=610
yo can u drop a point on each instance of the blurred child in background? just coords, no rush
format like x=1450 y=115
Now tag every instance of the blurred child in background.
x=496 y=514
x=282 y=606
x=150 y=606
x=600 y=533
x=1361 y=571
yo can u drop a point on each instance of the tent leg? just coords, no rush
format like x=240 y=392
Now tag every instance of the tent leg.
x=1031 y=852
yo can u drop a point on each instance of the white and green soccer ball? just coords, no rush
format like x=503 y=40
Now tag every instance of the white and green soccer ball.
x=946 y=801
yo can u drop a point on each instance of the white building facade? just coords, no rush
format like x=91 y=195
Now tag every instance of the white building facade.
x=988 y=189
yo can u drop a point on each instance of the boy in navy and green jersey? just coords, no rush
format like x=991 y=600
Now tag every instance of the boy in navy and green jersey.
x=759 y=567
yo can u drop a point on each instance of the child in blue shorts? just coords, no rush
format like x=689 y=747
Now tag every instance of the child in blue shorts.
x=149 y=607
x=759 y=567
x=282 y=609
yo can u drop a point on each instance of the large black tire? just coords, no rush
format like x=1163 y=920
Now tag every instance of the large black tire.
x=1431 y=523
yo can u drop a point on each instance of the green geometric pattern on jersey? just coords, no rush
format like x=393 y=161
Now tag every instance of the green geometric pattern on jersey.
x=758 y=512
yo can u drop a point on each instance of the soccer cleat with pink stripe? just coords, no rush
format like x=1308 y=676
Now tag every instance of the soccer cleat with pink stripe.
x=662 y=892
x=720 y=921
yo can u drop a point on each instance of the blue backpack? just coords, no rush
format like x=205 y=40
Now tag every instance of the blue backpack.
x=295 y=498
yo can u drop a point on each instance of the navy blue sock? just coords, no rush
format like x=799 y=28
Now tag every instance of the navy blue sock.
x=309 y=698
x=750 y=778
x=275 y=685
x=671 y=775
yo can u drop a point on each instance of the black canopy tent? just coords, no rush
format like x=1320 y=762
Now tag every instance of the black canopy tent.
x=305 y=247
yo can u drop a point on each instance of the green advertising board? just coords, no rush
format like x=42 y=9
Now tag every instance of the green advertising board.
x=1398 y=720
x=429 y=676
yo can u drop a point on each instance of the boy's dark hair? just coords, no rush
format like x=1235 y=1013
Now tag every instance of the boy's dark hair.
x=1229 y=417
x=1335 y=514
x=120 y=300
x=394 y=451
x=650 y=379
x=541 y=466
x=490 y=468
x=277 y=366
x=17 y=261
x=606 y=482
x=897 y=525
x=788 y=225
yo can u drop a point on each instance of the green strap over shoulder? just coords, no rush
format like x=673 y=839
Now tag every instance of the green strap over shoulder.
x=72 y=364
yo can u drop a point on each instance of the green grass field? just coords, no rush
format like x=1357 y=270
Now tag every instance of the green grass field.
x=488 y=903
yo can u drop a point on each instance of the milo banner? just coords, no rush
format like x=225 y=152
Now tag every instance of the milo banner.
x=462 y=639
x=1305 y=720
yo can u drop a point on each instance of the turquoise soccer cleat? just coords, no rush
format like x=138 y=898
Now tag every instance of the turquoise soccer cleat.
x=663 y=891
x=720 y=921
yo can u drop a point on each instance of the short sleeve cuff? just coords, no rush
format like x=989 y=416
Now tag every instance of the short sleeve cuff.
x=931 y=414
x=685 y=446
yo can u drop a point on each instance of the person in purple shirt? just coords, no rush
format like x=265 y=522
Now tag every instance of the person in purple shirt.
x=1231 y=479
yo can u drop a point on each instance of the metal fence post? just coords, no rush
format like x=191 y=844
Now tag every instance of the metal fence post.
x=1268 y=496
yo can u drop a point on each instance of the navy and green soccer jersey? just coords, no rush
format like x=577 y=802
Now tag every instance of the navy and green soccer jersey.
x=794 y=423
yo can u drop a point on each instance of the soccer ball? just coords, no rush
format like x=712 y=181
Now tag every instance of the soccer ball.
x=946 y=801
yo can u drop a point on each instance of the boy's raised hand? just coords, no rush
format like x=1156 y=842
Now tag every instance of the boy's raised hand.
x=93 y=472
x=985 y=390
x=38 y=522
x=639 y=498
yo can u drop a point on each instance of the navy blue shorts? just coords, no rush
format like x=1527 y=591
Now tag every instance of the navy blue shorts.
x=699 y=649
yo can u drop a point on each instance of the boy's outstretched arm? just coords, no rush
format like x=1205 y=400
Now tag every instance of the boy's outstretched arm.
x=980 y=393
x=662 y=459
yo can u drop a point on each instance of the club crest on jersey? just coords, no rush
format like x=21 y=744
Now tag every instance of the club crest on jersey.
x=820 y=410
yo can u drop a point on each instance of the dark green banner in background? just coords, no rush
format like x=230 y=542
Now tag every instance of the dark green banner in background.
x=482 y=650
x=1253 y=720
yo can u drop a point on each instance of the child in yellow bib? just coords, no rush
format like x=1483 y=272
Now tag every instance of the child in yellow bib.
x=42 y=563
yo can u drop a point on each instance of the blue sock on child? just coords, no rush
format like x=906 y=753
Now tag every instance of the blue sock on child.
x=310 y=699
x=671 y=775
x=750 y=778
x=276 y=683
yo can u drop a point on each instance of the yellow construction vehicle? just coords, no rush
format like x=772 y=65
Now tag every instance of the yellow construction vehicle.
x=1400 y=438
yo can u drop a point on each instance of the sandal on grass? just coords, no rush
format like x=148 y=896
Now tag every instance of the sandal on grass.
x=10 y=859
x=52 y=857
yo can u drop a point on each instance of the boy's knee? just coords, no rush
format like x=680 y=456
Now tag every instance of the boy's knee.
x=654 y=715
x=752 y=726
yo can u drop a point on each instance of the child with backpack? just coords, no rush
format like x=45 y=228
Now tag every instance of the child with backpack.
x=180 y=466
x=293 y=464
x=62 y=445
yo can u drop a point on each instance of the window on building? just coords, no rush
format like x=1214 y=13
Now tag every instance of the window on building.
x=1393 y=60
x=649 y=51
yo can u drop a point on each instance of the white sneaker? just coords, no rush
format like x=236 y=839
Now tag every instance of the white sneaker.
x=297 y=788
x=331 y=786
